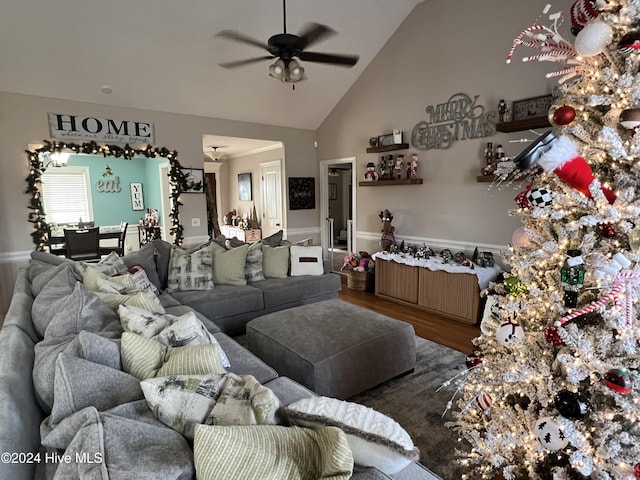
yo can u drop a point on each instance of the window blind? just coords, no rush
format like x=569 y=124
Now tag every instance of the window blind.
x=66 y=195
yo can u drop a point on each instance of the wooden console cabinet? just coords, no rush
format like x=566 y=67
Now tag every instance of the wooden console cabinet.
x=451 y=295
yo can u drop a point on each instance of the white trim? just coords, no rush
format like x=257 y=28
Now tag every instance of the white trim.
x=303 y=232
x=195 y=241
x=15 y=257
x=253 y=151
x=324 y=198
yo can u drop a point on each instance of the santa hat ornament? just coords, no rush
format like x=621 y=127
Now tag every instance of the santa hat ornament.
x=561 y=156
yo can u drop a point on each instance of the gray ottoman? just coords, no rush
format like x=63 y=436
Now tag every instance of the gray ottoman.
x=332 y=347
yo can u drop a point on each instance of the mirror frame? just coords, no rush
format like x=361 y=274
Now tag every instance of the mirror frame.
x=177 y=180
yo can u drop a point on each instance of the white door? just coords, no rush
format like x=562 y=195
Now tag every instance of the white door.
x=271 y=183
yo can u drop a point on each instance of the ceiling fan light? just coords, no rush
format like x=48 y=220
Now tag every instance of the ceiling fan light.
x=277 y=69
x=295 y=71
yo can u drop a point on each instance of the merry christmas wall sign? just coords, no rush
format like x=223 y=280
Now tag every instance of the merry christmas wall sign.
x=459 y=118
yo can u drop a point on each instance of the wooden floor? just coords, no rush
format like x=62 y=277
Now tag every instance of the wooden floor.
x=445 y=331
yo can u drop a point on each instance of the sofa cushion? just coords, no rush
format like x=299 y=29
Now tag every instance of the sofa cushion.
x=271 y=453
x=274 y=240
x=275 y=261
x=242 y=361
x=147 y=358
x=306 y=260
x=113 y=441
x=375 y=439
x=52 y=298
x=223 y=301
x=190 y=270
x=144 y=299
x=229 y=265
x=80 y=383
x=96 y=281
x=294 y=290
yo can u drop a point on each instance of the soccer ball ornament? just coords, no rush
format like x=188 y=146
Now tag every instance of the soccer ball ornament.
x=509 y=333
x=540 y=197
x=550 y=434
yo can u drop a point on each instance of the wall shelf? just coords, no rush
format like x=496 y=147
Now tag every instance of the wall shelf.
x=526 y=124
x=385 y=183
x=388 y=148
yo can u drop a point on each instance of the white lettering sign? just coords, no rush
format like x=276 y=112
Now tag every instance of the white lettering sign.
x=80 y=127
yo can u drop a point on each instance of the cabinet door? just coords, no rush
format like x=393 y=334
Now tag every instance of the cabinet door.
x=455 y=295
x=397 y=280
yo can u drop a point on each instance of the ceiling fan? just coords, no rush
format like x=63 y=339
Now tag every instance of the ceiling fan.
x=286 y=47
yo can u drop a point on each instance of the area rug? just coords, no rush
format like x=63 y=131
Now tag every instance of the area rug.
x=414 y=402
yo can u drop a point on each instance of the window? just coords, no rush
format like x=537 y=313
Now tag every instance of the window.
x=66 y=195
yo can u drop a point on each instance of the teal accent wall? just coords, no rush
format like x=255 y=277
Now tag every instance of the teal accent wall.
x=110 y=208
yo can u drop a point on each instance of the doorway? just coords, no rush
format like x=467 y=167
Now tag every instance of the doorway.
x=338 y=209
x=271 y=183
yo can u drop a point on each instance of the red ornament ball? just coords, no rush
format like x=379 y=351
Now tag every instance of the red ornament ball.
x=636 y=471
x=563 y=115
x=629 y=43
x=618 y=380
x=551 y=336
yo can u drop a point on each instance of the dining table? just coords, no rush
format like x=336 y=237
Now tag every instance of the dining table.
x=56 y=237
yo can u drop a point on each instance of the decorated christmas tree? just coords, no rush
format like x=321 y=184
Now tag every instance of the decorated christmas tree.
x=553 y=390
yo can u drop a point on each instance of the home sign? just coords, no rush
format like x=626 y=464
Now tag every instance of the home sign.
x=459 y=118
x=80 y=127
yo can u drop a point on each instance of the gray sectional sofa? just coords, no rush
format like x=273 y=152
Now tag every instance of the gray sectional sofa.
x=50 y=291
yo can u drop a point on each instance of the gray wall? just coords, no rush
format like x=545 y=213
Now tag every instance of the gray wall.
x=443 y=48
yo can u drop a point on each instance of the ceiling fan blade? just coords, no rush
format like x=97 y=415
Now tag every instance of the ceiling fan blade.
x=336 y=59
x=313 y=33
x=242 y=63
x=241 y=37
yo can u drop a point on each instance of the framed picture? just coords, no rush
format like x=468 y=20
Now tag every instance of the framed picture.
x=244 y=187
x=195 y=180
x=532 y=107
x=137 y=200
x=302 y=193
x=385 y=140
x=333 y=191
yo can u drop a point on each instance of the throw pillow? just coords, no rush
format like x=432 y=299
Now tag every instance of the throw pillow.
x=52 y=297
x=375 y=439
x=275 y=261
x=229 y=265
x=228 y=243
x=274 y=240
x=270 y=452
x=147 y=358
x=96 y=281
x=109 y=265
x=190 y=271
x=306 y=261
x=140 y=278
x=253 y=266
x=142 y=321
x=154 y=258
x=144 y=299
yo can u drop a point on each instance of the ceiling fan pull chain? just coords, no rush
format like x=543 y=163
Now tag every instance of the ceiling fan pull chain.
x=284 y=16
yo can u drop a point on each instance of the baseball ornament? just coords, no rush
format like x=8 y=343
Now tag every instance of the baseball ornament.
x=509 y=333
x=550 y=434
x=618 y=380
x=629 y=43
x=593 y=39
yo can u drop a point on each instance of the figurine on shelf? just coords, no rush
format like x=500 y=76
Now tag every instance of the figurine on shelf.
x=397 y=169
x=370 y=173
x=388 y=239
x=414 y=165
x=502 y=110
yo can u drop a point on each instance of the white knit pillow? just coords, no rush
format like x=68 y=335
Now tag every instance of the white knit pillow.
x=375 y=439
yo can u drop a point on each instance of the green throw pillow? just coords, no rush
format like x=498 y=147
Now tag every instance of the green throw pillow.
x=228 y=265
x=147 y=358
x=271 y=452
x=190 y=271
x=275 y=261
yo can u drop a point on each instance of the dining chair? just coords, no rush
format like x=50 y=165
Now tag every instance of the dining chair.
x=55 y=244
x=121 y=239
x=82 y=244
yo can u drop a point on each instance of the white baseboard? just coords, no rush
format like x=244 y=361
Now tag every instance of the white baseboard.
x=15 y=257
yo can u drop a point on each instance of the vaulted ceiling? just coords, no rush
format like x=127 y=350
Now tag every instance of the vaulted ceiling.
x=163 y=54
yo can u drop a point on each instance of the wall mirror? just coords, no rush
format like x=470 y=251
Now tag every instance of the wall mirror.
x=107 y=172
